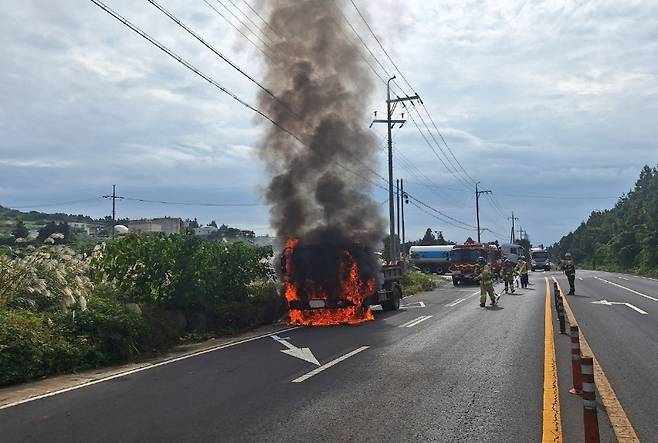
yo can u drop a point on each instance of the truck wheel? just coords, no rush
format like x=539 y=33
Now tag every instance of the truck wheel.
x=394 y=303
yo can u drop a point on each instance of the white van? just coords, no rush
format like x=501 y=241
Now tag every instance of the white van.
x=512 y=252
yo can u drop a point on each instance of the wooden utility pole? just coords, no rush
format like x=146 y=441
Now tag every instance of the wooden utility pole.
x=512 y=235
x=397 y=198
x=114 y=198
x=405 y=200
x=390 y=122
x=477 y=206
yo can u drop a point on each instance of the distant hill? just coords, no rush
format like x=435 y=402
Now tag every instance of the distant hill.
x=35 y=220
x=624 y=238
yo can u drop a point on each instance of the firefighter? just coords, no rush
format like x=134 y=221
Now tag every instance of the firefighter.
x=486 y=282
x=522 y=269
x=508 y=275
x=569 y=268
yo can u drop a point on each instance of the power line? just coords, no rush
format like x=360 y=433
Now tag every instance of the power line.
x=453 y=171
x=65 y=203
x=421 y=208
x=261 y=18
x=244 y=24
x=236 y=28
x=381 y=46
x=213 y=49
x=176 y=203
x=249 y=18
x=349 y=23
x=372 y=32
x=219 y=86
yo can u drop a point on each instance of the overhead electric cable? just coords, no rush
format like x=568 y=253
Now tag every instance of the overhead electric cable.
x=215 y=83
x=176 y=203
x=65 y=203
x=249 y=18
x=244 y=24
x=236 y=28
x=261 y=18
x=213 y=49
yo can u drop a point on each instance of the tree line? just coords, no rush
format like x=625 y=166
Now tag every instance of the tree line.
x=621 y=239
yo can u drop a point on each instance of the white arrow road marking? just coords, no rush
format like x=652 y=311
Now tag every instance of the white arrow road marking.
x=580 y=278
x=459 y=300
x=326 y=366
x=612 y=303
x=415 y=321
x=416 y=304
x=628 y=289
x=622 y=278
x=301 y=353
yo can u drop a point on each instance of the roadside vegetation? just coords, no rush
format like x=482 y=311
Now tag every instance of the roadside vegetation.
x=621 y=239
x=64 y=310
x=414 y=282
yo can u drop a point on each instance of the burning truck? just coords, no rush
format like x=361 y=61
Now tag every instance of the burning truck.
x=327 y=283
x=319 y=156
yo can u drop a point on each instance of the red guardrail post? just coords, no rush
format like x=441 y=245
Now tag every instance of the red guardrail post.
x=575 y=361
x=590 y=417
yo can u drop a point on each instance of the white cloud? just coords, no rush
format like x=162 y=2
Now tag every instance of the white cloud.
x=545 y=97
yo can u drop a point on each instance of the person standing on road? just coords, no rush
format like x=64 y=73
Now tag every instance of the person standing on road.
x=508 y=275
x=522 y=269
x=569 y=268
x=486 y=282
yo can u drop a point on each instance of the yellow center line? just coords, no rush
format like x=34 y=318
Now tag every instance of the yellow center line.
x=552 y=421
x=621 y=425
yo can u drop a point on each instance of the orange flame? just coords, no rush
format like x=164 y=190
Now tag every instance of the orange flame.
x=351 y=289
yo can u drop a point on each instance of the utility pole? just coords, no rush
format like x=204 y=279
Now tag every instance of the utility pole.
x=390 y=122
x=405 y=201
x=397 y=198
x=114 y=198
x=477 y=206
x=512 y=237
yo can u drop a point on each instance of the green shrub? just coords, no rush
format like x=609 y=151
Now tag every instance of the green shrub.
x=34 y=345
x=414 y=282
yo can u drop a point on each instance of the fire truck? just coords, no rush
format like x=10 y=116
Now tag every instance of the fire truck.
x=464 y=261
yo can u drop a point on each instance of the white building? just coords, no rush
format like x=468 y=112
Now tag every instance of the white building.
x=205 y=231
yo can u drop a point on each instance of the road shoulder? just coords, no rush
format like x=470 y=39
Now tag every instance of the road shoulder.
x=23 y=392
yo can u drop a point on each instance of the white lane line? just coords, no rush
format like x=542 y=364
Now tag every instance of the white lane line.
x=459 y=300
x=144 y=368
x=418 y=321
x=628 y=289
x=622 y=278
x=326 y=366
x=416 y=304
x=404 y=325
x=613 y=303
x=636 y=309
x=581 y=279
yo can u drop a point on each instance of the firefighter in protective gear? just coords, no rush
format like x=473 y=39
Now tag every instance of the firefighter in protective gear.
x=486 y=282
x=522 y=269
x=569 y=268
x=507 y=273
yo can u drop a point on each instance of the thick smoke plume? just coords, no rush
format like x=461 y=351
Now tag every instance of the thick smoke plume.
x=319 y=73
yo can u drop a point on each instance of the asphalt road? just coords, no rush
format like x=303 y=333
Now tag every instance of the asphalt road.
x=441 y=370
x=624 y=339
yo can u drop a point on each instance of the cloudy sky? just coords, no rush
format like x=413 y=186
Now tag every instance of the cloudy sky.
x=551 y=99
